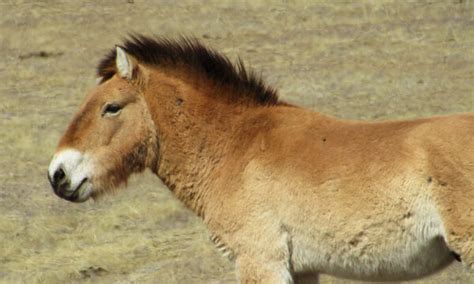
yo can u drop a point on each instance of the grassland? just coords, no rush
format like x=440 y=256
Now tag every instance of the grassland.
x=363 y=59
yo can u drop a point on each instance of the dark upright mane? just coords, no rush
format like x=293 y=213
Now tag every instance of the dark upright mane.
x=192 y=54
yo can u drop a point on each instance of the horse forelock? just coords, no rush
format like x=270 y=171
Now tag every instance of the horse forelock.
x=196 y=59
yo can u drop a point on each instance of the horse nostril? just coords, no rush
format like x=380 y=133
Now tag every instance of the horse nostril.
x=58 y=176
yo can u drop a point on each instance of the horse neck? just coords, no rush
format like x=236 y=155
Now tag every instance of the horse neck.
x=194 y=132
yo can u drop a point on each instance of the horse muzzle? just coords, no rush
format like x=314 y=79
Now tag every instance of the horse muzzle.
x=69 y=176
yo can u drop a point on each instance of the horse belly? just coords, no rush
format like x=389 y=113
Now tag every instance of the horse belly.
x=404 y=254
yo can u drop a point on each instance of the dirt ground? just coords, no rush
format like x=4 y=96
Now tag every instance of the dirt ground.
x=361 y=60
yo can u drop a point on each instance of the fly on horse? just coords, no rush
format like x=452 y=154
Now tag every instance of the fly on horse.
x=286 y=192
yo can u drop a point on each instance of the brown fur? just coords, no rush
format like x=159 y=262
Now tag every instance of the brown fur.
x=279 y=185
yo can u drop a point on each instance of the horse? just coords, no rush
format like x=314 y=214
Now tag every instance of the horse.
x=286 y=193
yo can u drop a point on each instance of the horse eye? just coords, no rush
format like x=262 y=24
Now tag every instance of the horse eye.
x=111 y=109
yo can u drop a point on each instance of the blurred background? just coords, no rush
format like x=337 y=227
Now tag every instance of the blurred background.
x=371 y=60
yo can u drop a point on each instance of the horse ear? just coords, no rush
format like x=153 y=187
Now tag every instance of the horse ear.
x=126 y=66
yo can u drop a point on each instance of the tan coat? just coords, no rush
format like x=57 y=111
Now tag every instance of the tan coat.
x=286 y=192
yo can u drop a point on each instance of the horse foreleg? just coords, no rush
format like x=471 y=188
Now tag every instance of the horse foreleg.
x=249 y=270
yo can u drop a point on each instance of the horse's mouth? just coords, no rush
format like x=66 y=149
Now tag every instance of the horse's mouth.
x=81 y=193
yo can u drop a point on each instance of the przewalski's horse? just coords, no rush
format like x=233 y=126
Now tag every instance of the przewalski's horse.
x=287 y=192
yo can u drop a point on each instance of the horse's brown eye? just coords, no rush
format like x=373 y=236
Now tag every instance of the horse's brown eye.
x=112 y=109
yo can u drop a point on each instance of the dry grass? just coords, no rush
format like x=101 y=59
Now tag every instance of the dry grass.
x=366 y=59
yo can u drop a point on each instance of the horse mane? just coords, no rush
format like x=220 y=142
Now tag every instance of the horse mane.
x=190 y=53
